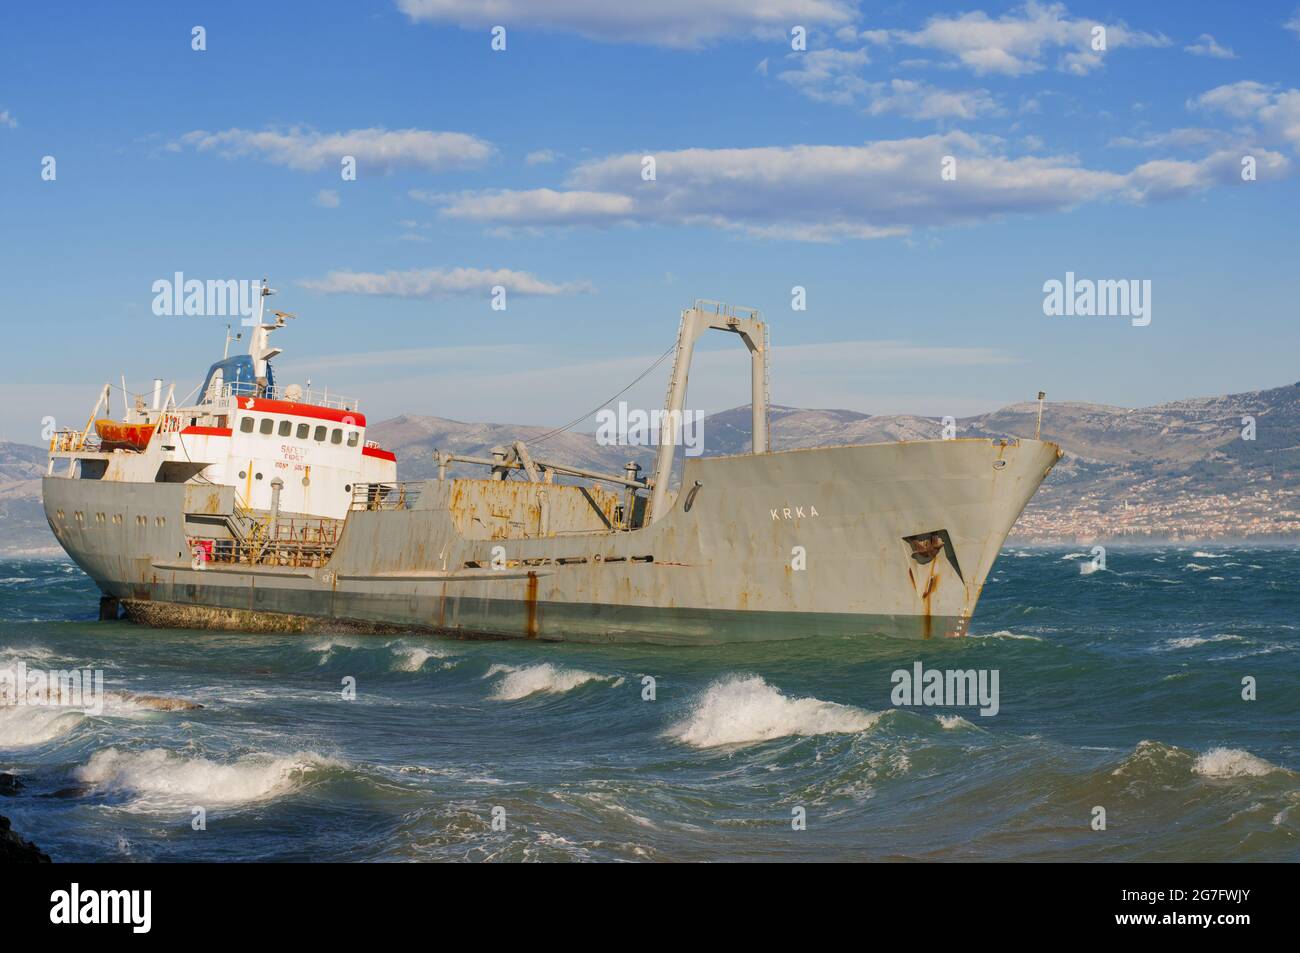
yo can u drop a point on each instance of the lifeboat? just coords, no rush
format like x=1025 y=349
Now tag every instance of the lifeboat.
x=115 y=435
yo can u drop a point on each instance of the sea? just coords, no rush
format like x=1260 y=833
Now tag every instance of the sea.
x=1147 y=711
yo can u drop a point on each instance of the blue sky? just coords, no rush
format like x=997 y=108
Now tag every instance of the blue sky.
x=775 y=168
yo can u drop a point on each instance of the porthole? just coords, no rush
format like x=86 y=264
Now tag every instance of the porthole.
x=267 y=425
x=243 y=474
x=246 y=425
x=319 y=435
x=285 y=427
x=258 y=476
x=347 y=487
x=353 y=437
x=303 y=430
x=336 y=436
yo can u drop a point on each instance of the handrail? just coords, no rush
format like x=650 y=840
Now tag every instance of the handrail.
x=311 y=396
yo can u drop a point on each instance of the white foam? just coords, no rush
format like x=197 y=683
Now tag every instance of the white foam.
x=952 y=722
x=1200 y=555
x=1191 y=641
x=1088 y=568
x=24 y=725
x=739 y=709
x=531 y=679
x=1006 y=634
x=411 y=658
x=1068 y=556
x=1197 y=567
x=157 y=778
x=1232 y=763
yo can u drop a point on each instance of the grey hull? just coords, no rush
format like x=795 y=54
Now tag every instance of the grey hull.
x=771 y=546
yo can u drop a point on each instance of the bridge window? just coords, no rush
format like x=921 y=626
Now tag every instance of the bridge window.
x=336 y=436
x=353 y=437
x=267 y=425
x=246 y=425
x=319 y=435
x=303 y=430
x=285 y=427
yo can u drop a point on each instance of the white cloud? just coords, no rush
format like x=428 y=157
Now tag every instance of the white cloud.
x=833 y=76
x=918 y=100
x=828 y=76
x=1208 y=46
x=438 y=283
x=533 y=206
x=7 y=120
x=1293 y=24
x=830 y=193
x=1019 y=42
x=1277 y=111
x=307 y=150
x=327 y=198
x=1187 y=137
x=676 y=23
x=541 y=157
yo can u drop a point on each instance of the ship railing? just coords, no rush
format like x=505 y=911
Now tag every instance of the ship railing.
x=385 y=496
x=73 y=441
x=298 y=395
x=285 y=541
x=724 y=310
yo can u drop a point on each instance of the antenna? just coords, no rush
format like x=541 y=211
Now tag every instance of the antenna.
x=1039 y=428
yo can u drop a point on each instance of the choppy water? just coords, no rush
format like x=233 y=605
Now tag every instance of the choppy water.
x=1119 y=688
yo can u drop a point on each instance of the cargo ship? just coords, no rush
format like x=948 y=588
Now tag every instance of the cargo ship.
x=260 y=507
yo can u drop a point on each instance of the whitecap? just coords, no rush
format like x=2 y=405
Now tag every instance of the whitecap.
x=1191 y=641
x=952 y=722
x=742 y=709
x=24 y=725
x=532 y=679
x=157 y=778
x=1232 y=763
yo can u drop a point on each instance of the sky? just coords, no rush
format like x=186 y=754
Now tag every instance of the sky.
x=920 y=171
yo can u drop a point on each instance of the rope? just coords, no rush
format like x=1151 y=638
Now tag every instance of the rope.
x=573 y=423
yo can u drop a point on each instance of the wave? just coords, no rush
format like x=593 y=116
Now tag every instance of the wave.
x=745 y=709
x=1201 y=555
x=1232 y=763
x=532 y=679
x=1154 y=760
x=411 y=658
x=24 y=725
x=1005 y=634
x=1197 y=567
x=156 y=778
x=1191 y=641
x=952 y=722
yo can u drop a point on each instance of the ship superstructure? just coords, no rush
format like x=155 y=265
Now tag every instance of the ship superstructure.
x=266 y=508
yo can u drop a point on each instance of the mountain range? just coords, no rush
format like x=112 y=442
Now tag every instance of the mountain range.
x=1225 y=467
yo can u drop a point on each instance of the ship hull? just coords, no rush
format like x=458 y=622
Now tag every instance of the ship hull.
x=783 y=545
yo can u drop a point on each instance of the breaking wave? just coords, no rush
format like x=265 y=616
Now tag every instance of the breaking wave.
x=532 y=679
x=744 y=709
x=155 y=777
x=1232 y=763
x=25 y=725
x=411 y=658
